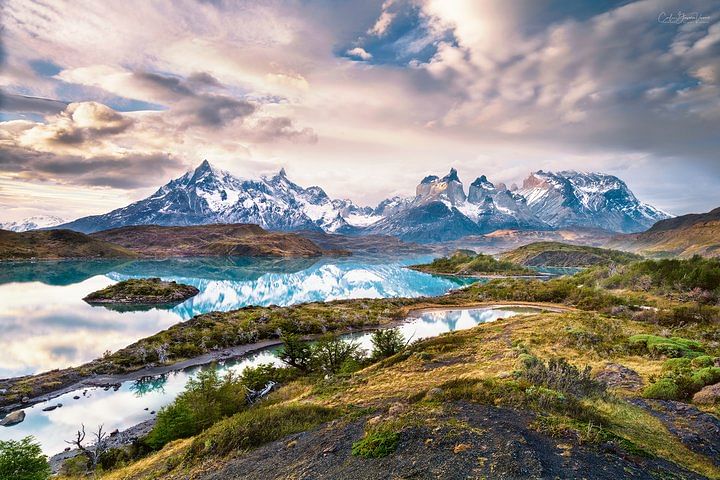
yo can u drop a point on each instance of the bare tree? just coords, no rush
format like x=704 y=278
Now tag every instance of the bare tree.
x=94 y=451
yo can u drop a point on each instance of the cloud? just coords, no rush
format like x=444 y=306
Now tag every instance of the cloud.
x=123 y=171
x=26 y=104
x=79 y=123
x=359 y=53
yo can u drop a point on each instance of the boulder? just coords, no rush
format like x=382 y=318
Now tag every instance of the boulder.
x=615 y=375
x=13 y=418
x=709 y=395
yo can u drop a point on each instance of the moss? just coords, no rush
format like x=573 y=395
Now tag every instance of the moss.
x=376 y=445
x=669 y=347
x=663 y=389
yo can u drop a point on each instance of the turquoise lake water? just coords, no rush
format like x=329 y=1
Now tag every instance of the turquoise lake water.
x=47 y=325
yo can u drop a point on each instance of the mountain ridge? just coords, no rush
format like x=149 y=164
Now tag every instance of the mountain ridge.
x=440 y=210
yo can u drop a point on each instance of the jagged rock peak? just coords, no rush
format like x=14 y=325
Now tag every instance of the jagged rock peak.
x=452 y=176
x=430 y=179
x=282 y=173
x=482 y=181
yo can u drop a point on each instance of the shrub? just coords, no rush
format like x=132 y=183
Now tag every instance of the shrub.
x=331 y=353
x=205 y=400
x=662 y=389
x=387 y=343
x=256 y=378
x=703 y=361
x=257 y=426
x=23 y=460
x=295 y=352
x=558 y=374
x=376 y=444
x=669 y=347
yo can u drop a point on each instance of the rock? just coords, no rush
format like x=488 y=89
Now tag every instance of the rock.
x=291 y=443
x=615 y=375
x=67 y=449
x=461 y=447
x=114 y=432
x=374 y=420
x=13 y=418
x=330 y=449
x=397 y=409
x=49 y=408
x=3 y=391
x=25 y=399
x=76 y=397
x=435 y=394
x=152 y=413
x=709 y=395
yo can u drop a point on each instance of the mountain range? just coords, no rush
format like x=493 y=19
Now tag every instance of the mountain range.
x=440 y=210
x=32 y=223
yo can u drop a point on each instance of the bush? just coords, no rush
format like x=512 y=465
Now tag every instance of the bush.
x=295 y=352
x=558 y=374
x=387 y=343
x=331 y=353
x=257 y=426
x=669 y=347
x=663 y=389
x=23 y=460
x=256 y=378
x=703 y=361
x=376 y=444
x=206 y=399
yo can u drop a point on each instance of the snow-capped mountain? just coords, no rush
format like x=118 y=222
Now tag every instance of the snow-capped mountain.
x=209 y=195
x=570 y=199
x=440 y=210
x=32 y=223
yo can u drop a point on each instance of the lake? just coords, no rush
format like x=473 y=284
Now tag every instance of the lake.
x=47 y=325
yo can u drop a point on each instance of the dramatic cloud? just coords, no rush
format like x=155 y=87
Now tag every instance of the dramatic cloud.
x=363 y=98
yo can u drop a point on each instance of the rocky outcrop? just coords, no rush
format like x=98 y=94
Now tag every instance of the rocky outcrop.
x=143 y=291
x=709 y=395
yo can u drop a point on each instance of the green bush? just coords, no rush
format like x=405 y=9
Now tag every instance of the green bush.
x=331 y=353
x=23 y=460
x=386 y=343
x=706 y=376
x=256 y=378
x=257 y=426
x=206 y=399
x=295 y=352
x=663 y=389
x=376 y=444
x=669 y=347
x=558 y=374
x=703 y=361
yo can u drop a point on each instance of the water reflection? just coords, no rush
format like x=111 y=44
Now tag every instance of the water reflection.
x=46 y=324
x=134 y=401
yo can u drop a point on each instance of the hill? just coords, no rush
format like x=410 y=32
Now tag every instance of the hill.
x=557 y=254
x=57 y=244
x=684 y=236
x=209 y=240
x=467 y=262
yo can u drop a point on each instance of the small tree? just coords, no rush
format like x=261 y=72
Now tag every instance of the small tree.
x=23 y=460
x=331 y=352
x=295 y=352
x=387 y=343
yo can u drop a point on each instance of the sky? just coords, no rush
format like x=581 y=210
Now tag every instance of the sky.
x=103 y=102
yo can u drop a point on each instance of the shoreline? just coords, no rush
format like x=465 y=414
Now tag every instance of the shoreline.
x=233 y=353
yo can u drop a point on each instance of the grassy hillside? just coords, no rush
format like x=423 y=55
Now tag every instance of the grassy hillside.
x=516 y=398
x=57 y=244
x=467 y=262
x=556 y=254
x=209 y=240
x=684 y=236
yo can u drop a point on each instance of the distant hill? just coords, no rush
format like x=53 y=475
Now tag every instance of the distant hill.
x=469 y=263
x=684 y=236
x=239 y=240
x=556 y=254
x=57 y=244
x=209 y=240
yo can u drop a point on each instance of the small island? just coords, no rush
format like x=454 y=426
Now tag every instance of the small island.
x=469 y=263
x=142 y=291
